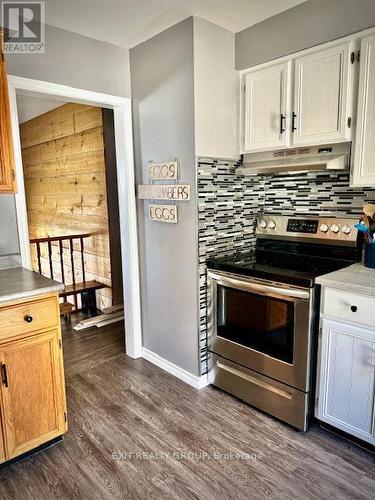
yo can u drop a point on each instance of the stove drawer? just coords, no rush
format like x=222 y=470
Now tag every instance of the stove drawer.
x=349 y=306
x=283 y=402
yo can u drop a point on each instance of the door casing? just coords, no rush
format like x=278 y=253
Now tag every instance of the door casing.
x=121 y=107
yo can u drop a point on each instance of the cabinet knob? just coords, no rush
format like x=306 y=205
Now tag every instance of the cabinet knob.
x=354 y=308
x=28 y=318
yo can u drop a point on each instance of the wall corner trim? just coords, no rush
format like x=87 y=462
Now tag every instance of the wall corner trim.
x=176 y=371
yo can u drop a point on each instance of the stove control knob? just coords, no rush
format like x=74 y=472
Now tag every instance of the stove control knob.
x=271 y=224
x=324 y=228
x=346 y=229
x=335 y=228
x=263 y=224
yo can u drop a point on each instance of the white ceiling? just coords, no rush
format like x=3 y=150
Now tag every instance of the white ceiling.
x=127 y=23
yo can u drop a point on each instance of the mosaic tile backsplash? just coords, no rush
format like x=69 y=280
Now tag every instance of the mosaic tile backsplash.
x=228 y=206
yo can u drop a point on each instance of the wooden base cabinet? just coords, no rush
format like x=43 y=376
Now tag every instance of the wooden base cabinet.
x=33 y=405
x=347 y=378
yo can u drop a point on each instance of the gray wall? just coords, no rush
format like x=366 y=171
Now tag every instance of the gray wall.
x=303 y=26
x=9 y=242
x=162 y=88
x=8 y=226
x=74 y=60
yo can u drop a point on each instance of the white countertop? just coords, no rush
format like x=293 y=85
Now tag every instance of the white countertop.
x=18 y=283
x=355 y=278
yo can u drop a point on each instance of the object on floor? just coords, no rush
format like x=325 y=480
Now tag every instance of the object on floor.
x=66 y=309
x=88 y=298
x=112 y=309
x=112 y=319
x=101 y=320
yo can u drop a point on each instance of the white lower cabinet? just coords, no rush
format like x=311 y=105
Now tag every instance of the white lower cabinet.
x=346 y=378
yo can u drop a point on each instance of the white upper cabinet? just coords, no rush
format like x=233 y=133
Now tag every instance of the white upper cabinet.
x=304 y=100
x=322 y=96
x=363 y=173
x=265 y=108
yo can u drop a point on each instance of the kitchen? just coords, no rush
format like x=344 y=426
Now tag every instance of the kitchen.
x=330 y=157
x=302 y=88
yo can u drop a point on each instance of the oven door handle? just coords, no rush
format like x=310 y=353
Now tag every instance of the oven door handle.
x=249 y=286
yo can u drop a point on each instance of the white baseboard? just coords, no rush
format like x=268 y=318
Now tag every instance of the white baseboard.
x=180 y=373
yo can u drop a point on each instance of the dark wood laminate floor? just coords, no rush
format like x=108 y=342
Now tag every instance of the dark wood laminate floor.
x=120 y=408
x=86 y=349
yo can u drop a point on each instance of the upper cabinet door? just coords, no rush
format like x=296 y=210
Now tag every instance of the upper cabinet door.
x=7 y=177
x=323 y=96
x=265 y=108
x=364 y=157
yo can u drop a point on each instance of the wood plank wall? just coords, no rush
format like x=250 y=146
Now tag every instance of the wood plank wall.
x=64 y=167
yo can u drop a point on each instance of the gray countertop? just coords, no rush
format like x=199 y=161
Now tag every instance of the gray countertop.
x=355 y=278
x=18 y=283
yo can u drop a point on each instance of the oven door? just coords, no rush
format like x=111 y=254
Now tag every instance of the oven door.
x=261 y=325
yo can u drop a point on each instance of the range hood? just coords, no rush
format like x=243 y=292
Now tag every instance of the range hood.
x=303 y=159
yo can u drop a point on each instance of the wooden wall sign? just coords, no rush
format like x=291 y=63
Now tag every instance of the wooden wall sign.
x=173 y=192
x=167 y=170
x=163 y=213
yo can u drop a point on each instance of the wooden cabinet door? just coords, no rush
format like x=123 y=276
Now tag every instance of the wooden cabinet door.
x=32 y=391
x=265 y=108
x=364 y=157
x=2 y=442
x=347 y=378
x=7 y=173
x=323 y=99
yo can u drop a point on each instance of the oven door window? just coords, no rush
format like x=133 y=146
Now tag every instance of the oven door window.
x=262 y=323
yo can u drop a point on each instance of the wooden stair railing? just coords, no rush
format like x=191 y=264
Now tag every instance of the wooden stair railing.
x=84 y=288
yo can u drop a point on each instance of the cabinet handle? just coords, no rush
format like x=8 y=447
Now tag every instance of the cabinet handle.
x=4 y=375
x=294 y=116
x=282 y=123
x=28 y=318
x=354 y=309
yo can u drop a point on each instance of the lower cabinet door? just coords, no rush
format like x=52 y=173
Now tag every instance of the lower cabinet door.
x=2 y=444
x=347 y=378
x=33 y=392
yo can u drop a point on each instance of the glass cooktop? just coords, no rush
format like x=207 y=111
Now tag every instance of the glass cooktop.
x=293 y=263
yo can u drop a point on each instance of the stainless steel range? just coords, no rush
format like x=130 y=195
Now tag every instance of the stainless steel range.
x=263 y=312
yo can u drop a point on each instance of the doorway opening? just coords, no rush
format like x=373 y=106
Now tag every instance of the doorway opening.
x=70 y=177
x=117 y=112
